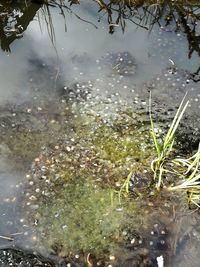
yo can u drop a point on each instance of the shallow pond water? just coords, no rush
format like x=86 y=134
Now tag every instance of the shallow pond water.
x=74 y=126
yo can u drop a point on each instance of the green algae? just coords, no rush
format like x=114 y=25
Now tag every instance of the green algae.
x=75 y=184
x=22 y=143
x=80 y=216
x=81 y=219
x=76 y=197
x=120 y=147
x=26 y=145
x=26 y=130
x=119 y=138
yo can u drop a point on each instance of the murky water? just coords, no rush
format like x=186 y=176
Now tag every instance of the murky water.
x=74 y=123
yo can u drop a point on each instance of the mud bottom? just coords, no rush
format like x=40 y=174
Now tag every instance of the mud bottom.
x=18 y=258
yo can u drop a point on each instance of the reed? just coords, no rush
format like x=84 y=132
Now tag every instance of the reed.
x=190 y=179
x=165 y=148
x=187 y=170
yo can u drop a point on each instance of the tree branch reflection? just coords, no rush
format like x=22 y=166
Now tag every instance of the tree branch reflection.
x=15 y=18
x=181 y=18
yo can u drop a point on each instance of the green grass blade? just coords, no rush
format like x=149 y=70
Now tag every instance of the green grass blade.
x=153 y=129
x=178 y=120
x=175 y=122
x=155 y=138
x=127 y=182
x=176 y=116
x=125 y=186
x=195 y=164
x=160 y=178
x=169 y=148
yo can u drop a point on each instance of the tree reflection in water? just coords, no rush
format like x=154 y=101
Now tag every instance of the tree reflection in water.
x=14 y=20
x=16 y=16
x=181 y=18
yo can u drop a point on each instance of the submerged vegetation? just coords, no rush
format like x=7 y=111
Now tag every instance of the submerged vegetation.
x=92 y=192
x=103 y=179
x=80 y=179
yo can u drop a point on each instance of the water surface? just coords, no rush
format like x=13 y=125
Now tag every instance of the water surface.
x=59 y=68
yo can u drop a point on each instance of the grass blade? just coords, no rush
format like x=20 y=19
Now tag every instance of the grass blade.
x=153 y=129
x=175 y=123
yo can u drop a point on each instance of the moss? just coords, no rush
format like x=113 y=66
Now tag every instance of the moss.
x=24 y=134
x=81 y=218
x=72 y=191
x=79 y=179
x=119 y=147
x=26 y=145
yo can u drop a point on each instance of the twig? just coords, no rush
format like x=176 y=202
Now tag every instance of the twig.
x=7 y=238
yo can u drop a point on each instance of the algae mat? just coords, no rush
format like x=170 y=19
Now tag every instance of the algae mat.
x=76 y=198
